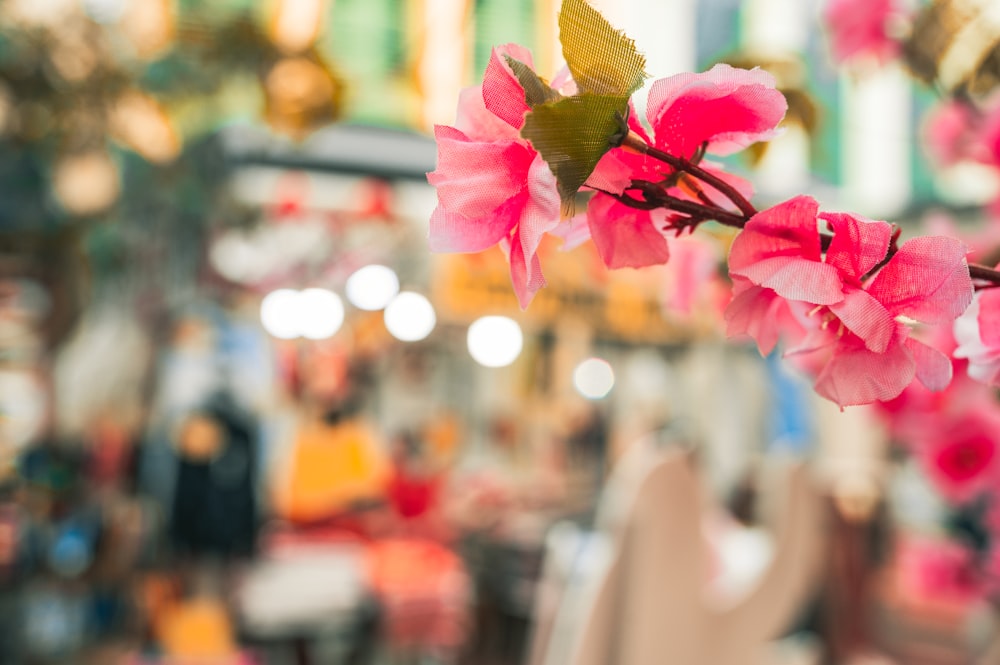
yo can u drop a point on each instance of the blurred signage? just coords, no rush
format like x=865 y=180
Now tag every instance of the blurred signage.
x=621 y=304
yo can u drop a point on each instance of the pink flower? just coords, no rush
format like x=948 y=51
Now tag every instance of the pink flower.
x=977 y=332
x=859 y=28
x=493 y=188
x=961 y=458
x=725 y=108
x=849 y=335
x=624 y=236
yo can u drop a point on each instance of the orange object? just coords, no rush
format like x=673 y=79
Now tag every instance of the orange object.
x=198 y=630
x=331 y=468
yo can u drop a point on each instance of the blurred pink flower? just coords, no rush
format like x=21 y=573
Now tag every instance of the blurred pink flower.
x=851 y=337
x=948 y=132
x=954 y=433
x=493 y=188
x=859 y=28
x=937 y=570
x=915 y=417
x=691 y=274
x=977 y=332
x=960 y=454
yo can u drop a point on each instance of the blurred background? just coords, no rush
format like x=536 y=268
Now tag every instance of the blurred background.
x=247 y=417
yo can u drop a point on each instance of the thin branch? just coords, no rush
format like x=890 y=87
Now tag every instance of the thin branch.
x=985 y=274
x=635 y=142
x=656 y=198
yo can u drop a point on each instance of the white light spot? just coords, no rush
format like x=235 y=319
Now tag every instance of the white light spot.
x=372 y=288
x=410 y=317
x=320 y=313
x=594 y=378
x=495 y=341
x=279 y=313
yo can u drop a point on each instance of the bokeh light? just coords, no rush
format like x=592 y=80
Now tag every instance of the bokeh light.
x=495 y=341
x=410 y=317
x=372 y=287
x=320 y=313
x=593 y=378
x=311 y=313
x=279 y=315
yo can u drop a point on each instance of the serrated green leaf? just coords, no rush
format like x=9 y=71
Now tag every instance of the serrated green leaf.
x=536 y=90
x=602 y=59
x=572 y=134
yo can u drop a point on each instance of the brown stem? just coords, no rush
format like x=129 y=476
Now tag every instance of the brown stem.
x=700 y=210
x=985 y=274
x=655 y=198
x=635 y=142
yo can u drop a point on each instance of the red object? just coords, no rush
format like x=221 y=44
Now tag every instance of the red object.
x=413 y=495
x=424 y=592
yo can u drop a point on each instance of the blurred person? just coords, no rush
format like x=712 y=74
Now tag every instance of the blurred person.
x=415 y=488
x=214 y=507
x=335 y=466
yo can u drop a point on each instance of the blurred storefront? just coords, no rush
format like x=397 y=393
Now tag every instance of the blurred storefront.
x=247 y=417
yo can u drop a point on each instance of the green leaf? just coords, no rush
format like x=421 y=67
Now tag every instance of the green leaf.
x=572 y=134
x=602 y=59
x=536 y=90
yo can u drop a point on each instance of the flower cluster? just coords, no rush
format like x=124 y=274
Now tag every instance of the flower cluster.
x=912 y=326
x=844 y=322
x=835 y=287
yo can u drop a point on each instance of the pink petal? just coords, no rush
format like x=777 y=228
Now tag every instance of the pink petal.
x=619 y=166
x=451 y=232
x=760 y=314
x=476 y=122
x=989 y=318
x=474 y=178
x=502 y=93
x=858 y=245
x=856 y=375
x=563 y=82
x=796 y=279
x=867 y=318
x=927 y=280
x=573 y=232
x=787 y=229
x=727 y=107
x=815 y=339
x=614 y=172
x=625 y=237
x=541 y=214
x=525 y=274
x=933 y=367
